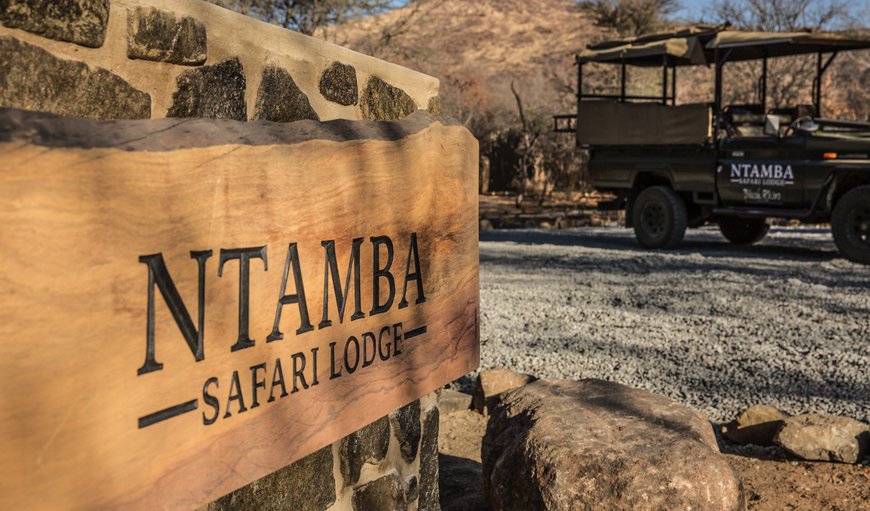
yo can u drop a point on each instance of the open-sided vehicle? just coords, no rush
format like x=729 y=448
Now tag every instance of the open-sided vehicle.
x=673 y=166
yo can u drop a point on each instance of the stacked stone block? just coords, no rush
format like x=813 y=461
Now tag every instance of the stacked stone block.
x=159 y=58
x=389 y=465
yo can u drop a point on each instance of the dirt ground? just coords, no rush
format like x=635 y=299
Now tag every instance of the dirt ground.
x=772 y=480
x=558 y=210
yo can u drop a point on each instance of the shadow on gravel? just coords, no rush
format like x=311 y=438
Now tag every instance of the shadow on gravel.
x=705 y=243
x=756 y=452
x=740 y=379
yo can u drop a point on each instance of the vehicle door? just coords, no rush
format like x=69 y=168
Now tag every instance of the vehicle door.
x=763 y=171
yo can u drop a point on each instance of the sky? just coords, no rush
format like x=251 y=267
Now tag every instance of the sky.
x=695 y=9
x=698 y=9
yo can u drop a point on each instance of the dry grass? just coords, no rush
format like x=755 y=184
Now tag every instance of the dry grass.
x=480 y=47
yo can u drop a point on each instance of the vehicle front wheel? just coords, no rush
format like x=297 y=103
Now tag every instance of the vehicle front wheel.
x=743 y=231
x=659 y=217
x=850 y=225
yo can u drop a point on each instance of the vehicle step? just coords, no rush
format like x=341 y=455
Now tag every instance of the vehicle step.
x=767 y=212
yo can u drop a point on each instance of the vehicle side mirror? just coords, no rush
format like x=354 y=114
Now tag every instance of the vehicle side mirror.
x=771 y=125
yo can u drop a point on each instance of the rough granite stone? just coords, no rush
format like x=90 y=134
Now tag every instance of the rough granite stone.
x=821 y=437
x=338 y=84
x=406 y=428
x=77 y=21
x=280 y=100
x=383 y=494
x=412 y=490
x=33 y=79
x=452 y=401
x=591 y=444
x=383 y=102
x=307 y=485
x=429 y=497
x=158 y=35
x=756 y=425
x=492 y=384
x=434 y=106
x=211 y=92
x=368 y=445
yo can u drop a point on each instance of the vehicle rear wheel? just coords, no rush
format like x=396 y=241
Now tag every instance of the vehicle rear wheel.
x=743 y=231
x=660 y=218
x=850 y=225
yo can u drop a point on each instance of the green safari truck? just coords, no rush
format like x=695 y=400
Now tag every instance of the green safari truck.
x=673 y=166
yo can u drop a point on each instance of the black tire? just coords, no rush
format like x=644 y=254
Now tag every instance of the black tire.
x=659 y=217
x=850 y=225
x=743 y=231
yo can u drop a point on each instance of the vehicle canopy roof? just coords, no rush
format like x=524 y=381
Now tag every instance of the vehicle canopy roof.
x=697 y=45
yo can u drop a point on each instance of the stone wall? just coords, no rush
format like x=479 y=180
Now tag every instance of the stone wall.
x=141 y=59
x=391 y=464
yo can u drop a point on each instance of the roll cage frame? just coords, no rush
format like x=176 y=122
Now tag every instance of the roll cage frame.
x=825 y=55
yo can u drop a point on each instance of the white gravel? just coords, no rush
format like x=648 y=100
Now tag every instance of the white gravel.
x=786 y=322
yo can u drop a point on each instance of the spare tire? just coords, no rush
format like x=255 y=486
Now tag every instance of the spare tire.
x=850 y=225
x=743 y=231
x=659 y=217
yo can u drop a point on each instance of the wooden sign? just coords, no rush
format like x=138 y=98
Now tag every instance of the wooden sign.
x=187 y=306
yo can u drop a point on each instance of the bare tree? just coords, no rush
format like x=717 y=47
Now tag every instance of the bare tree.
x=783 y=15
x=389 y=41
x=307 y=16
x=632 y=17
x=790 y=78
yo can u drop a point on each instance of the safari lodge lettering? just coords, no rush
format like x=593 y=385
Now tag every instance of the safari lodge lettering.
x=223 y=396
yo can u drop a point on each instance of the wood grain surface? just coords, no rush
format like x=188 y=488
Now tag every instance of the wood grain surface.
x=75 y=219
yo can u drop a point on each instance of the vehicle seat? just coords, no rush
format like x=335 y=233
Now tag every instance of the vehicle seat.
x=788 y=115
x=744 y=120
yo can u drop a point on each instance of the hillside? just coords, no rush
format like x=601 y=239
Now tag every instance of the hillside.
x=478 y=48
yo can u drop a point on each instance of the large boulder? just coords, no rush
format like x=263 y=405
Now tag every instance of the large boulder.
x=825 y=438
x=590 y=444
x=492 y=383
x=756 y=425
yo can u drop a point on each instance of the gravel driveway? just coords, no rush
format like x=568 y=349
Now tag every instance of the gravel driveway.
x=786 y=322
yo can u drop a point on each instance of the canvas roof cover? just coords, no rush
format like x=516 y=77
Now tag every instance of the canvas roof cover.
x=755 y=45
x=696 y=46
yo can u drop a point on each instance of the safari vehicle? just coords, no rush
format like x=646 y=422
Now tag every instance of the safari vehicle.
x=673 y=166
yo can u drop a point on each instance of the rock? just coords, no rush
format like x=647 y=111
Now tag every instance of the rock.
x=406 y=428
x=157 y=35
x=428 y=487
x=338 y=84
x=756 y=425
x=591 y=444
x=368 y=445
x=82 y=22
x=383 y=102
x=412 y=491
x=491 y=384
x=34 y=79
x=485 y=225
x=825 y=438
x=452 y=401
x=211 y=92
x=383 y=494
x=307 y=485
x=280 y=99
x=459 y=484
x=434 y=106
